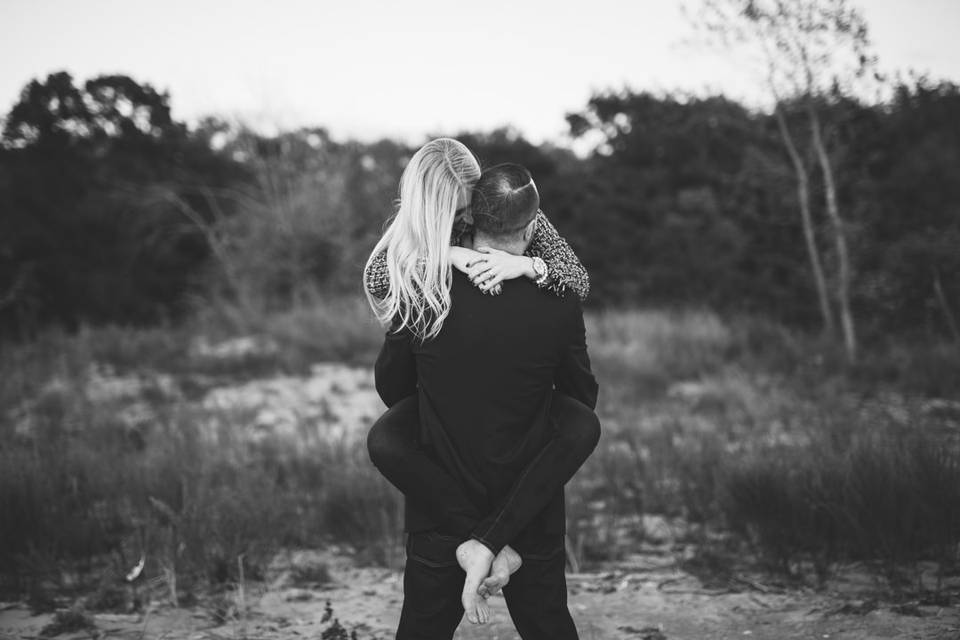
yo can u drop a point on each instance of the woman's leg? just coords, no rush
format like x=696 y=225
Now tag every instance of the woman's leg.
x=396 y=452
x=395 y=449
x=575 y=436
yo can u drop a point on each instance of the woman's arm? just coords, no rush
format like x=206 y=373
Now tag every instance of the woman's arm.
x=375 y=276
x=377 y=280
x=564 y=269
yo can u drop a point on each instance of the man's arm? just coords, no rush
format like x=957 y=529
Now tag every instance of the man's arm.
x=574 y=377
x=395 y=372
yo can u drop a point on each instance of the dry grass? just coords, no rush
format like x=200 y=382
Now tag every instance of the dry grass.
x=742 y=426
x=107 y=452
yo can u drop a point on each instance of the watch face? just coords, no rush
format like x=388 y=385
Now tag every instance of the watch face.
x=540 y=267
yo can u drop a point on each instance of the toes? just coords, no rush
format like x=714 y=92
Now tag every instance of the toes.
x=472 y=613
x=475 y=608
x=490 y=586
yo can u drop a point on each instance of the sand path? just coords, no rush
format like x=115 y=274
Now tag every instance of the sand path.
x=653 y=603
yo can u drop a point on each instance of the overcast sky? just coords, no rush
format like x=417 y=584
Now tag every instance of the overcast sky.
x=409 y=67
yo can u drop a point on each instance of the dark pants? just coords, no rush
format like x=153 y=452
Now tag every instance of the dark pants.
x=395 y=449
x=432 y=581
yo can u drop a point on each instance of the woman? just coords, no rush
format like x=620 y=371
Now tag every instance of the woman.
x=408 y=283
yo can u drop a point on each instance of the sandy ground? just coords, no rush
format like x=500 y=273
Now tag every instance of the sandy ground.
x=646 y=598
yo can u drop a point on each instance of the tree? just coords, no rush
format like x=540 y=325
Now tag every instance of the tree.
x=809 y=50
x=56 y=112
x=906 y=199
x=79 y=241
x=665 y=214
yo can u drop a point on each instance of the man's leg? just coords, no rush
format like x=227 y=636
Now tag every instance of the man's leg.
x=396 y=452
x=537 y=594
x=431 y=588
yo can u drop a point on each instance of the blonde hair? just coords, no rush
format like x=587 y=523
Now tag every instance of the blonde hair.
x=417 y=242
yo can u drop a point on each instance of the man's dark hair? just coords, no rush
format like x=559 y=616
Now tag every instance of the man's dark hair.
x=504 y=200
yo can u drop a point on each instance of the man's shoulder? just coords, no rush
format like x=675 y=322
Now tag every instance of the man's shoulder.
x=516 y=295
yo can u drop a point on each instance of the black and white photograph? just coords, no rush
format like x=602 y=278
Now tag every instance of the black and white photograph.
x=506 y=320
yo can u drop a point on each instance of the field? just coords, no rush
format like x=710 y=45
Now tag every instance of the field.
x=213 y=477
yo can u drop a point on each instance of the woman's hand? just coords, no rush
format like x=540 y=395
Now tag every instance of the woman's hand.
x=494 y=266
x=461 y=258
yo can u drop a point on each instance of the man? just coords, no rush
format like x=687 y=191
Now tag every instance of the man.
x=485 y=386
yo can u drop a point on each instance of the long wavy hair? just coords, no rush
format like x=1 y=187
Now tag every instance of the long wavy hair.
x=417 y=242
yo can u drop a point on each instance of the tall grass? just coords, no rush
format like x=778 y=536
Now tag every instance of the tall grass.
x=188 y=501
x=105 y=458
x=890 y=496
x=734 y=425
x=743 y=426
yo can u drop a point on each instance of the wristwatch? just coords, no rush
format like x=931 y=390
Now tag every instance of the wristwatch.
x=540 y=268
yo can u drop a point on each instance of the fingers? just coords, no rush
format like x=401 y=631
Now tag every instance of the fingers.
x=476 y=272
x=491 y=281
x=482 y=280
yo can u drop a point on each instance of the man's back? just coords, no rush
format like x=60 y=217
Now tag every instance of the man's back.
x=486 y=381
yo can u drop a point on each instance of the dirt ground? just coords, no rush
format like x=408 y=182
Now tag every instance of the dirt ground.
x=643 y=598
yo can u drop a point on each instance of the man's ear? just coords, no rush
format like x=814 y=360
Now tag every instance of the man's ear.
x=528 y=232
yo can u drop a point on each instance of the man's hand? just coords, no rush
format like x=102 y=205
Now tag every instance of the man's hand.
x=494 y=266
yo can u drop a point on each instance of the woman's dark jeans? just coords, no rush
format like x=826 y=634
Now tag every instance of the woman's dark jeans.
x=395 y=449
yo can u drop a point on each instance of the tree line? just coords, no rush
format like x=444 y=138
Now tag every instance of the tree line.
x=113 y=212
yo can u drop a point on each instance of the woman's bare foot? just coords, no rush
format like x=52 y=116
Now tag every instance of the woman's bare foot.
x=504 y=565
x=474 y=558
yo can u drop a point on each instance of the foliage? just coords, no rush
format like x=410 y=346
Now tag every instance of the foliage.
x=696 y=202
x=112 y=212
x=80 y=240
x=719 y=422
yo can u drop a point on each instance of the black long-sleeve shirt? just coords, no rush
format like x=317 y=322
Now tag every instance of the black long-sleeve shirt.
x=485 y=384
